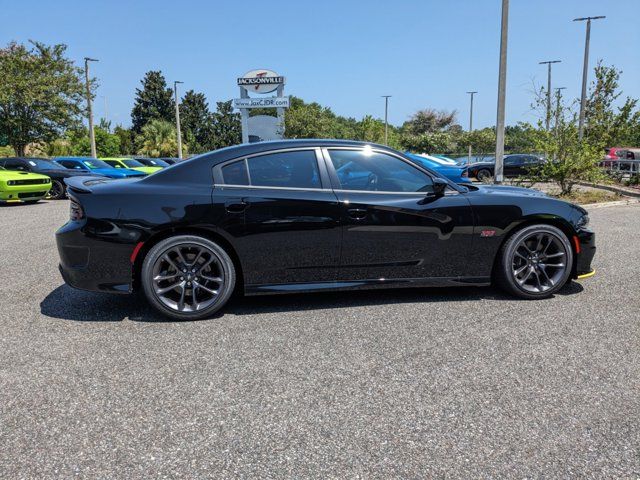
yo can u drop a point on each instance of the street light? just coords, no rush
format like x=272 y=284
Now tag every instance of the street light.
x=585 y=67
x=175 y=92
x=470 y=126
x=502 y=86
x=549 y=62
x=386 y=123
x=92 y=136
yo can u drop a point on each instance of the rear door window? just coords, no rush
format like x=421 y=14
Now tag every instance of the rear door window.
x=295 y=169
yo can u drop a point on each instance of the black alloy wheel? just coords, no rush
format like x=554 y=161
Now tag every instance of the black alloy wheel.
x=483 y=175
x=57 y=191
x=187 y=277
x=535 y=262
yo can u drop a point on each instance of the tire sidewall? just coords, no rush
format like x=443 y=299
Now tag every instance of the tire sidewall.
x=483 y=174
x=507 y=259
x=146 y=276
x=62 y=190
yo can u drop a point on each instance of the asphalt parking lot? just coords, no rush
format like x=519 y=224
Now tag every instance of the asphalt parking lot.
x=400 y=383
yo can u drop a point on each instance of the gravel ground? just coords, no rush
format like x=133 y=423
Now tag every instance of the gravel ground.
x=402 y=383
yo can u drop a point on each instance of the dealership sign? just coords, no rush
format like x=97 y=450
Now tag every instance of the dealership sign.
x=260 y=81
x=268 y=102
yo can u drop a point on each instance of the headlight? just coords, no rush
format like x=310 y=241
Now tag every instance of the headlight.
x=583 y=221
x=11 y=182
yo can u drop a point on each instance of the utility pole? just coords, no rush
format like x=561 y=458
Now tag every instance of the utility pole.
x=558 y=107
x=502 y=87
x=386 y=123
x=175 y=92
x=92 y=135
x=470 y=126
x=549 y=62
x=585 y=68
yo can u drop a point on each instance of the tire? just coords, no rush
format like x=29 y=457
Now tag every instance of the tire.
x=542 y=254
x=201 y=272
x=483 y=174
x=57 y=192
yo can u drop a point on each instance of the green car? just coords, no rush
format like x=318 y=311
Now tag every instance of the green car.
x=16 y=186
x=130 y=163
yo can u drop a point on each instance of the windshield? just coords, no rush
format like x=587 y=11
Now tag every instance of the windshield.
x=156 y=162
x=132 y=163
x=93 y=164
x=40 y=164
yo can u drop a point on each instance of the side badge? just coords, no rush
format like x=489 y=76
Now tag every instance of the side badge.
x=487 y=233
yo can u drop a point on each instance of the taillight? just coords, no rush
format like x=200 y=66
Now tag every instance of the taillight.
x=75 y=211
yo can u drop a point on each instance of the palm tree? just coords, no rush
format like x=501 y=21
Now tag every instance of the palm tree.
x=158 y=139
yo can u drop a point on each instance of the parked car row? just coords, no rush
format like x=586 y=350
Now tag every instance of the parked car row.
x=30 y=179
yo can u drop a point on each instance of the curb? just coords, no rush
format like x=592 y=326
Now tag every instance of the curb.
x=615 y=203
x=621 y=191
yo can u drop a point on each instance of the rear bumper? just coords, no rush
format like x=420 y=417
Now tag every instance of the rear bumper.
x=587 y=243
x=93 y=264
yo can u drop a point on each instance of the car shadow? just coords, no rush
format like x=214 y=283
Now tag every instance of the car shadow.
x=70 y=304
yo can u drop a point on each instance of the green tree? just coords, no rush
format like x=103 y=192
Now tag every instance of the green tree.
x=226 y=127
x=430 y=131
x=482 y=141
x=41 y=94
x=107 y=144
x=196 y=121
x=309 y=120
x=604 y=123
x=154 y=101
x=158 y=139
x=569 y=159
x=126 y=136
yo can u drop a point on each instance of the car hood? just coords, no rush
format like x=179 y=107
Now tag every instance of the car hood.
x=16 y=175
x=509 y=190
x=482 y=164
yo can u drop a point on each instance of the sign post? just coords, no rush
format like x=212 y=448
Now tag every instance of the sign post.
x=261 y=82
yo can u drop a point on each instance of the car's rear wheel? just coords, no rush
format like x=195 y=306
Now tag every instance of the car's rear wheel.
x=187 y=277
x=57 y=191
x=535 y=262
x=483 y=175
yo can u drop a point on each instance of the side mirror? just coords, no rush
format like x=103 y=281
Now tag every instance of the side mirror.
x=439 y=186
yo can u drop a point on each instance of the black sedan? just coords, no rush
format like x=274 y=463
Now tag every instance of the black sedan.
x=45 y=167
x=514 y=165
x=312 y=215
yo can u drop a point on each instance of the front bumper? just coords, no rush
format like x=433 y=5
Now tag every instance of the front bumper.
x=585 y=246
x=94 y=264
x=24 y=193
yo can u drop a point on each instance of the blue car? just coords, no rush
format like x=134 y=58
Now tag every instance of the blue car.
x=90 y=164
x=452 y=172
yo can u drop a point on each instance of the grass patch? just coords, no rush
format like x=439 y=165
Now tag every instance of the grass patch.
x=590 y=196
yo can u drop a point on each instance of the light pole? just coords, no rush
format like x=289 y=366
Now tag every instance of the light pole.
x=585 y=67
x=92 y=136
x=386 y=123
x=549 y=62
x=558 y=107
x=470 y=126
x=175 y=92
x=502 y=86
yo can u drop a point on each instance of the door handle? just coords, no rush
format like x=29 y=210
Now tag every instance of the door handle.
x=236 y=207
x=357 y=213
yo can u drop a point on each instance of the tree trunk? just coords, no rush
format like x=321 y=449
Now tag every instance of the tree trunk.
x=20 y=150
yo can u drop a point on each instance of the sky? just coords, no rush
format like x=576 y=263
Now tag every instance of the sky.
x=342 y=54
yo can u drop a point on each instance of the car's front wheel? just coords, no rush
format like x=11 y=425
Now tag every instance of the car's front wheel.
x=57 y=191
x=535 y=262
x=187 y=277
